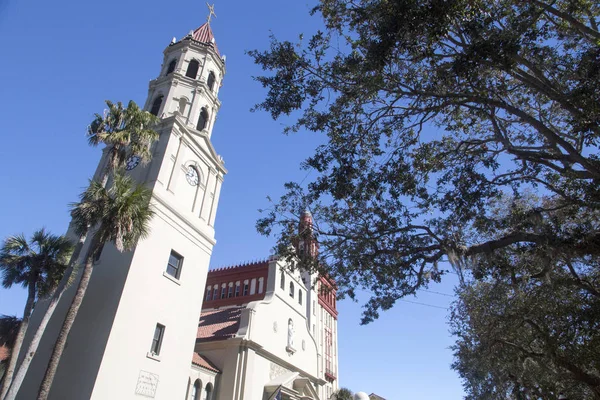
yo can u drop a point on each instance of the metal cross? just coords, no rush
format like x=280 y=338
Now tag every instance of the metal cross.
x=211 y=12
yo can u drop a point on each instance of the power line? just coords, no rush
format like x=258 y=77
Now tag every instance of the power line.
x=415 y=302
x=434 y=292
x=423 y=304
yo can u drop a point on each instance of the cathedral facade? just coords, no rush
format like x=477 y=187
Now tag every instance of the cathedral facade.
x=155 y=322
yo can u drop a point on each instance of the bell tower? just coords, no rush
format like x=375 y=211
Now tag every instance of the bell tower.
x=135 y=333
x=189 y=81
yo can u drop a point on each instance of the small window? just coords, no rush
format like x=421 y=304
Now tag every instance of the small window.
x=230 y=293
x=159 y=333
x=282 y=280
x=192 y=69
x=223 y=292
x=211 y=81
x=174 y=265
x=156 y=105
x=299 y=296
x=246 y=287
x=237 y=289
x=292 y=290
x=215 y=293
x=202 y=120
x=208 y=293
x=171 y=67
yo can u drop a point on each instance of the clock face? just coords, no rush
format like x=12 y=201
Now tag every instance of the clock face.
x=132 y=162
x=192 y=176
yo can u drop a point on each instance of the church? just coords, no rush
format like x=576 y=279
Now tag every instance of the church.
x=155 y=322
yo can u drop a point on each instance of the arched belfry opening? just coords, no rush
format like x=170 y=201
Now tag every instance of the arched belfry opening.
x=192 y=69
x=203 y=119
x=211 y=81
x=156 y=105
x=171 y=67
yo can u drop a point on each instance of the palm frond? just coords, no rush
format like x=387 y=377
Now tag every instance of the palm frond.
x=127 y=214
x=40 y=261
x=125 y=131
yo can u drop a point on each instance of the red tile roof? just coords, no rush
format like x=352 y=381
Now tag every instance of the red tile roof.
x=204 y=362
x=4 y=353
x=204 y=35
x=219 y=324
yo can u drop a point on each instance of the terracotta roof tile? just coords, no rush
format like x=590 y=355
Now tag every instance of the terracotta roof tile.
x=204 y=35
x=4 y=353
x=204 y=362
x=219 y=324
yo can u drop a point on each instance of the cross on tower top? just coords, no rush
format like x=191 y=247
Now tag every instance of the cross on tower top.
x=211 y=12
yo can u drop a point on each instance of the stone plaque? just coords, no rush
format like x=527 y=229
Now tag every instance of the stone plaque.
x=146 y=384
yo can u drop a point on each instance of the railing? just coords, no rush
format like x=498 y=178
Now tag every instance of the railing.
x=330 y=374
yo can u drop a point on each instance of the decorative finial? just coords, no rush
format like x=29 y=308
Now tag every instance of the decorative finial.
x=211 y=12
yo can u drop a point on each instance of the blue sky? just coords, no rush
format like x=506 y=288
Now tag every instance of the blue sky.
x=62 y=59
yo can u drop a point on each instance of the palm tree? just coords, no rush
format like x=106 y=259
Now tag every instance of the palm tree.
x=38 y=265
x=125 y=132
x=121 y=214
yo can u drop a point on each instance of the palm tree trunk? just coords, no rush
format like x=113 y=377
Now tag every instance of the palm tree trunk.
x=37 y=337
x=14 y=352
x=61 y=340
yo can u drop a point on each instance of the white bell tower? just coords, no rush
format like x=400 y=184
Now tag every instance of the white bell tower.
x=135 y=333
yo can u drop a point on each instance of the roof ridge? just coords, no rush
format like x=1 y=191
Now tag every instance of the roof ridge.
x=243 y=264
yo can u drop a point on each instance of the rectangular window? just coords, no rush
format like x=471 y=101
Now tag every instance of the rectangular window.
x=159 y=332
x=174 y=265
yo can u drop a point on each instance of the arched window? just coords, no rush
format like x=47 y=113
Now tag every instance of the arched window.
x=230 y=291
x=211 y=81
x=208 y=391
x=299 y=296
x=182 y=105
x=156 y=105
x=196 y=389
x=203 y=119
x=208 y=293
x=171 y=67
x=192 y=69
x=292 y=290
x=237 y=289
x=282 y=280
